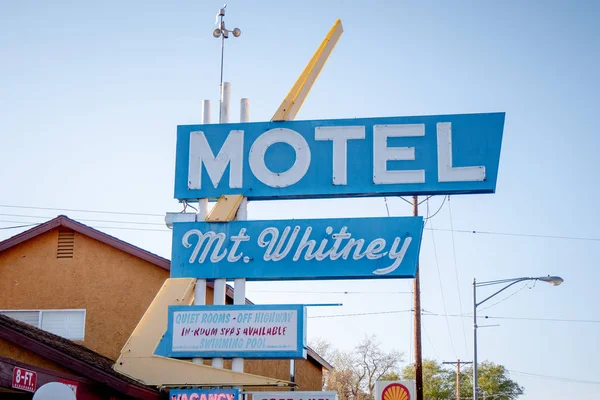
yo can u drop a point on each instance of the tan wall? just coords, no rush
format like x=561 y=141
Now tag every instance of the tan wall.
x=7 y=349
x=309 y=376
x=278 y=369
x=114 y=287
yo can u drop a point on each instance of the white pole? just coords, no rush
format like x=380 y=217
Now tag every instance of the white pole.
x=239 y=294
x=200 y=289
x=220 y=284
x=206 y=112
x=224 y=118
x=218 y=300
x=245 y=110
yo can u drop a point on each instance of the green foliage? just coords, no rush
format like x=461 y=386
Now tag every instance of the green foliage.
x=440 y=382
x=493 y=380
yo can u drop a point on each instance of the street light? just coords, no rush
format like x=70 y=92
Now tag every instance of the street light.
x=553 y=280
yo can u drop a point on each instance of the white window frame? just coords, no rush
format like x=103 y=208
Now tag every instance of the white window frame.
x=40 y=313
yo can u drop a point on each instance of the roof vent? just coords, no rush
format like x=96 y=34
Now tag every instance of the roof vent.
x=66 y=243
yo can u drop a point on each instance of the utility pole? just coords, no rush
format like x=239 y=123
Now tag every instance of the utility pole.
x=417 y=307
x=457 y=362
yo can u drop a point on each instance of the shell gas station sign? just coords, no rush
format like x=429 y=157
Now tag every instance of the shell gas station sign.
x=395 y=390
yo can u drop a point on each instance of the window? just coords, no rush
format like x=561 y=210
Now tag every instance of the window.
x=69 y=324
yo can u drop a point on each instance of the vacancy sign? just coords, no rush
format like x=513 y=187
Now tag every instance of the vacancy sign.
x=204 y=394
x=296 y=395
x=440 y=154
x=248 y=331
x=24 y=379
x=329 y=248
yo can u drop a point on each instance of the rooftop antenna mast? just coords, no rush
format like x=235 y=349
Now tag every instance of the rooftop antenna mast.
x=223 y=33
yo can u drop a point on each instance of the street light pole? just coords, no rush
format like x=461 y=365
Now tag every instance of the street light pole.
x=553 y=280
x=475 y=388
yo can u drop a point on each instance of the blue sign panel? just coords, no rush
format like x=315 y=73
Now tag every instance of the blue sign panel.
x=247 y=331
x=341 y=248
x=204 y=394
x=441 y=154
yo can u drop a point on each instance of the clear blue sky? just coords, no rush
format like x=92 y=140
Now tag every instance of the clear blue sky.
x=91 y=93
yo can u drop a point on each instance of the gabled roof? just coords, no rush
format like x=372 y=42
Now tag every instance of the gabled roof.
x=66 y=222
x=73 y=356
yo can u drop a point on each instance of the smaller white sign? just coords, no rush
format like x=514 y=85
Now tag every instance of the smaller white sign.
x=395 y=390
x=294 y=395
x=248 y=331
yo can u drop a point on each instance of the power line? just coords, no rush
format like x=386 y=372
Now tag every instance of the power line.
x=86 y=220
x=18 y=226
x=326 y=292
x=437 y=265
x=556 y=378
x=438 y=210
x=432 y=314
x=517 y=234
x=361 y=314
x=462 y=324
x=93 y=226
x=505 y=298
x=429 y=340
x=131 y=229
x=593 y=321
x=77 y=210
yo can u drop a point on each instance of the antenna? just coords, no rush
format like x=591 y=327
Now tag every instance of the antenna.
x=223 y=33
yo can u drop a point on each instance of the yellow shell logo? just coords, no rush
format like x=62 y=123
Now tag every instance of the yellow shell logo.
x=395 y=391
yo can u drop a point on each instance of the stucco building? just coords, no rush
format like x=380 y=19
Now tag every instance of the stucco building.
x=84 y=292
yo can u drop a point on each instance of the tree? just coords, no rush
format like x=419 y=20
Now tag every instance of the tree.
x=355 y=372
x=438 y=382
x=493 y=380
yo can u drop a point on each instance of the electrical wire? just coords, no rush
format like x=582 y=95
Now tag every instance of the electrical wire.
x=131 y=229
x=505 y=298
x=92 y=226
x=592 y=321
x=407 y=201
x=517 y=234
x=386 y=206
x=425 y=200
x=361 y=314
x=555 y=378
x=86 y=220
x=457 y=277
x=76 y=210
x=325 y=292
x=435 y=213
x=429 y=340
x=437 y=266
x=18 y=226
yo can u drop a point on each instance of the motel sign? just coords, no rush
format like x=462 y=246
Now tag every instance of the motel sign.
x=446 y=154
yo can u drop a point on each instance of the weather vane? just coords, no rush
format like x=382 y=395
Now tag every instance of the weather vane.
x=223 y=33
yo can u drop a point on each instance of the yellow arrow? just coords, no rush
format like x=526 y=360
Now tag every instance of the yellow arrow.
x=293 y=101
x=225 y=209
x=137 y=359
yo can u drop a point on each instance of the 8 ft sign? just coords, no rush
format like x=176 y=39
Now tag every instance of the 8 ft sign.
x=24 y=379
